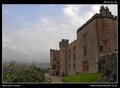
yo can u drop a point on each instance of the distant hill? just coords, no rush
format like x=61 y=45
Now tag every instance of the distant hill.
x=43 y=65
x=21 y=66
x=5 y=66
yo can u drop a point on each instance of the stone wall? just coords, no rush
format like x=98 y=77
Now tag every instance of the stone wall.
x=87 y=38
x=107 y=65
x=107 y=35
x=72 y=58
x=55 y=61
x=63 y=56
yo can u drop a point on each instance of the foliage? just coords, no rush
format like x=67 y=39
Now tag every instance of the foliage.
x=32 y=74
x=83 y=77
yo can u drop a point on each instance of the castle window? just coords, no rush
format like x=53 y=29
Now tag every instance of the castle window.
x=74 y=57
x=84 y=37
x=69 y=50
x=54 y=59
x=69 y=66
x=58 y=62
x=105 y=41
x=101 y=48
x=69 y=58
x=85 y=66
x=74 y=48
x=85 y=50
x=74 y=66
x=54 y=67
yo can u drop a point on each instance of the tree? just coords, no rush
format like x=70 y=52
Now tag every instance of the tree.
x=12 y=65
x=32 y=74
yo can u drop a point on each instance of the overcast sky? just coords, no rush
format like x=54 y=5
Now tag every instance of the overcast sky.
x=30 y=31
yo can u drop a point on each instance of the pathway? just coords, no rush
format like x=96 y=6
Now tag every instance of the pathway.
x=54 y=79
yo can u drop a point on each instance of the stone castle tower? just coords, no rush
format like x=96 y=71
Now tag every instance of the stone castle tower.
x=98 y=36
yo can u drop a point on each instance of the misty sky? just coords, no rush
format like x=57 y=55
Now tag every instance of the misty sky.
x=30 y=31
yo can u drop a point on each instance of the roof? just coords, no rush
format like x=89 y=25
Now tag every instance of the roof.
x=93 y=17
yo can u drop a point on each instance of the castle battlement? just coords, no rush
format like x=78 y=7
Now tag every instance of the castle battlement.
x=104 y=13
x=63 y=43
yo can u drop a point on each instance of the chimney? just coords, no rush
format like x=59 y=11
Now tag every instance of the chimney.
x=105 y=12
x=108 y=13
x=102 y=11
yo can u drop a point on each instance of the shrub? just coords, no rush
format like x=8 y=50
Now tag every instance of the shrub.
x=32 y=74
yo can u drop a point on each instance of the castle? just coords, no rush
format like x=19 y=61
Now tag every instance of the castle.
x=95 y=38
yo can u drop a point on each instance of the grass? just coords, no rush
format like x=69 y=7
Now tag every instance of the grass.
x=83 y=77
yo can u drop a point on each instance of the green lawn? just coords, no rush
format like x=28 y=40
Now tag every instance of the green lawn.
x=83 y=77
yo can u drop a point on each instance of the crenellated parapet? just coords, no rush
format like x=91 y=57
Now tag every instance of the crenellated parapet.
x=54 y=51
x=63 y=43
x=105 y=12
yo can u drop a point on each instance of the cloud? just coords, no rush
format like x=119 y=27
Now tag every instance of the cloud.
x=72 y=13
x=6 y=39
x=36 y=40
x=112 y=8
x=79 y=14
x=33 y=40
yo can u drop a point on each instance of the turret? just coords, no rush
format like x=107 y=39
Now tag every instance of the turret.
x=102 y=11
x=105 y=12
x=63 y=43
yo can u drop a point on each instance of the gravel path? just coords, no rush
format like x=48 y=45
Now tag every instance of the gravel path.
x=54 y=79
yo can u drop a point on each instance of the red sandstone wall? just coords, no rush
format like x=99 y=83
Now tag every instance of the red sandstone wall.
x=107 y=35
